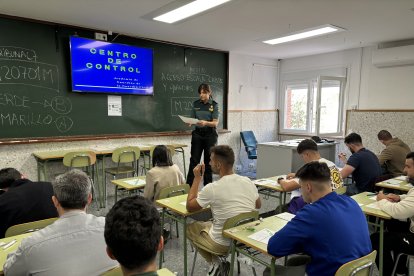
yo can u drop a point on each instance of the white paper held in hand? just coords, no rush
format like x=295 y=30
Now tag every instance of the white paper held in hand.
x=188 y=120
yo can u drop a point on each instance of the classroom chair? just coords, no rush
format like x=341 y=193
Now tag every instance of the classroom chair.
x=363 y=266
x=86 y=161
x=250 y=143
x=398 y=259
x=126 y=160
x=146 y=167
x=230 y=223
x=28 y=227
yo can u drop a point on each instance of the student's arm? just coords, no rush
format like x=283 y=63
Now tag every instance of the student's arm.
x=289 y=185
x=346 y=171
x=15 y=263
x=149 y=191
x=192 y=204
x=384 y=156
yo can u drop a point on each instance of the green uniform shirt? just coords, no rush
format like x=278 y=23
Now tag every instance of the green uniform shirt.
x=205 y=111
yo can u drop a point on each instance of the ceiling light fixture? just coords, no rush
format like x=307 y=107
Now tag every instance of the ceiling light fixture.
x=317 y=31
x=188 y=10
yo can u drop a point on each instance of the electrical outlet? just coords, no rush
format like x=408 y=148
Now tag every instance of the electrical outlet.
x=101 y=36
x=238 y=168
x=251 y=165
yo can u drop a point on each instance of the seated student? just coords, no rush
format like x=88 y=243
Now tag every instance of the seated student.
x=227 y=197
x=74 y=244
x=332 y=230
x=23 y=200
x=163 y=173
x=133 y=235
x=362 y=164
x=400 y=235
x=392 y=158
x=308 y=150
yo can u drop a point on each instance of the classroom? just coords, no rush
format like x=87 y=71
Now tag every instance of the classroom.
x=355 y=78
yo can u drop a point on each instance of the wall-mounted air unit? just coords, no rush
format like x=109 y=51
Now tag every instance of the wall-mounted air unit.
x=395 y=56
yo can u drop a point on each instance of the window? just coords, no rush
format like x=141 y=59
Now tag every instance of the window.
x=313 y=107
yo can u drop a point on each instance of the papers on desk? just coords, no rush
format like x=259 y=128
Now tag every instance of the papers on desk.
x=266 y=181
x=188 y=120
x=183 y=203
x=373 y=206
x=393 y=182
x=373 y=197
x=409 y=185
x=286 y=216
x=401 y=178
x=135 y=182
x=263 y=236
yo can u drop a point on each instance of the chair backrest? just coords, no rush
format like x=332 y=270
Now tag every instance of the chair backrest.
x=363 y=266
x=79 y=159
x=250 y=143
x=28 y=227
x=117 y=271
x=241 y=219
x=126 y=154
x=174 y=191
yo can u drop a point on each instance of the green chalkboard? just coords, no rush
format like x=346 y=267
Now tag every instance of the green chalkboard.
x=35 y=86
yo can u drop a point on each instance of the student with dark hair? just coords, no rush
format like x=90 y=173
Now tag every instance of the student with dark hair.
x=400 y=235
x=332 y=230
x=162 y=174
x=392 y=158
x=308 y=150
x=227 y=197
x=72 y=245
x=23 y=200
x=362 y=164
x=204 y=136
x=133 y=235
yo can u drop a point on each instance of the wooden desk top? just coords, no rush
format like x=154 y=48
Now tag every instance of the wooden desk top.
x=241 y=233
x=124 y=184
x=403 y=185
x=366 y=198
x=267 y=185
x=177 y=204
x=5 y=252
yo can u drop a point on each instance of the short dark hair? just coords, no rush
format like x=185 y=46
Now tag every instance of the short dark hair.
x=314 y=171
x=307 y=144
x=410 y=156
x=72 y=189
x=161 y=156
x=224 y=153
x=133 y=232
x=205 y=87
x=353 y=138
x=384 y=135
x=8 y=176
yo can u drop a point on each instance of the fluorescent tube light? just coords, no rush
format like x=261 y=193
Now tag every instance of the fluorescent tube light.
x=321 y=30
x=188 y=10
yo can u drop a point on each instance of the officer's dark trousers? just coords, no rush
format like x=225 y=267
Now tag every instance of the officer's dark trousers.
x=201 y=141
x=397 y=240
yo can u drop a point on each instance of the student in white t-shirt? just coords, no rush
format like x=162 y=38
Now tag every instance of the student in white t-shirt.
x=231 y=195
x=308 y=150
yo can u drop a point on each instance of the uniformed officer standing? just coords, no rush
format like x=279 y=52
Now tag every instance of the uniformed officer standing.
x=205 y=134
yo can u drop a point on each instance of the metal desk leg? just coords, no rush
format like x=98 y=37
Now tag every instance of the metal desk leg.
x=41 y=174
x=233 y=253
x=381 y=247
x=162 y=251
x=185 y=244
x=272 y=267
x=284 y=198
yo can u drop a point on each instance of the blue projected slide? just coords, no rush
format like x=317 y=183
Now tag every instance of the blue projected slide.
x=104 y=67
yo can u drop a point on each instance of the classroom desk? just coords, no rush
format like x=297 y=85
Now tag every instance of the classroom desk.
x=129 y=184
x=177 y=205
x=402 y=186
x=4 y=253
x=271 y=186
x=241 y=233
x=364 y=199
x=43 y=158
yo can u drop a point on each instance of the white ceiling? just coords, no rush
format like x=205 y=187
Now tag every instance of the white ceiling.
x=238 y=26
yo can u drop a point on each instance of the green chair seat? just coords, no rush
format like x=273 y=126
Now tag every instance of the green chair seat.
x=28 y=227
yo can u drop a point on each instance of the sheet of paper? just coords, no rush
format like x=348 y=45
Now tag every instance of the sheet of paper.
x=360 y=204
x=401 y=178
x=184 y=203
x=135 y=182
x=188 y=120
x=262 y=236
x=266 y=181
x=393 y=182
x=373 y=197
x=373 y=206
x=409 y=185
x=114 y=105
x=286 y=216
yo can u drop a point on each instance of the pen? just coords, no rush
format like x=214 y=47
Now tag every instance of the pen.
x=9 y=244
